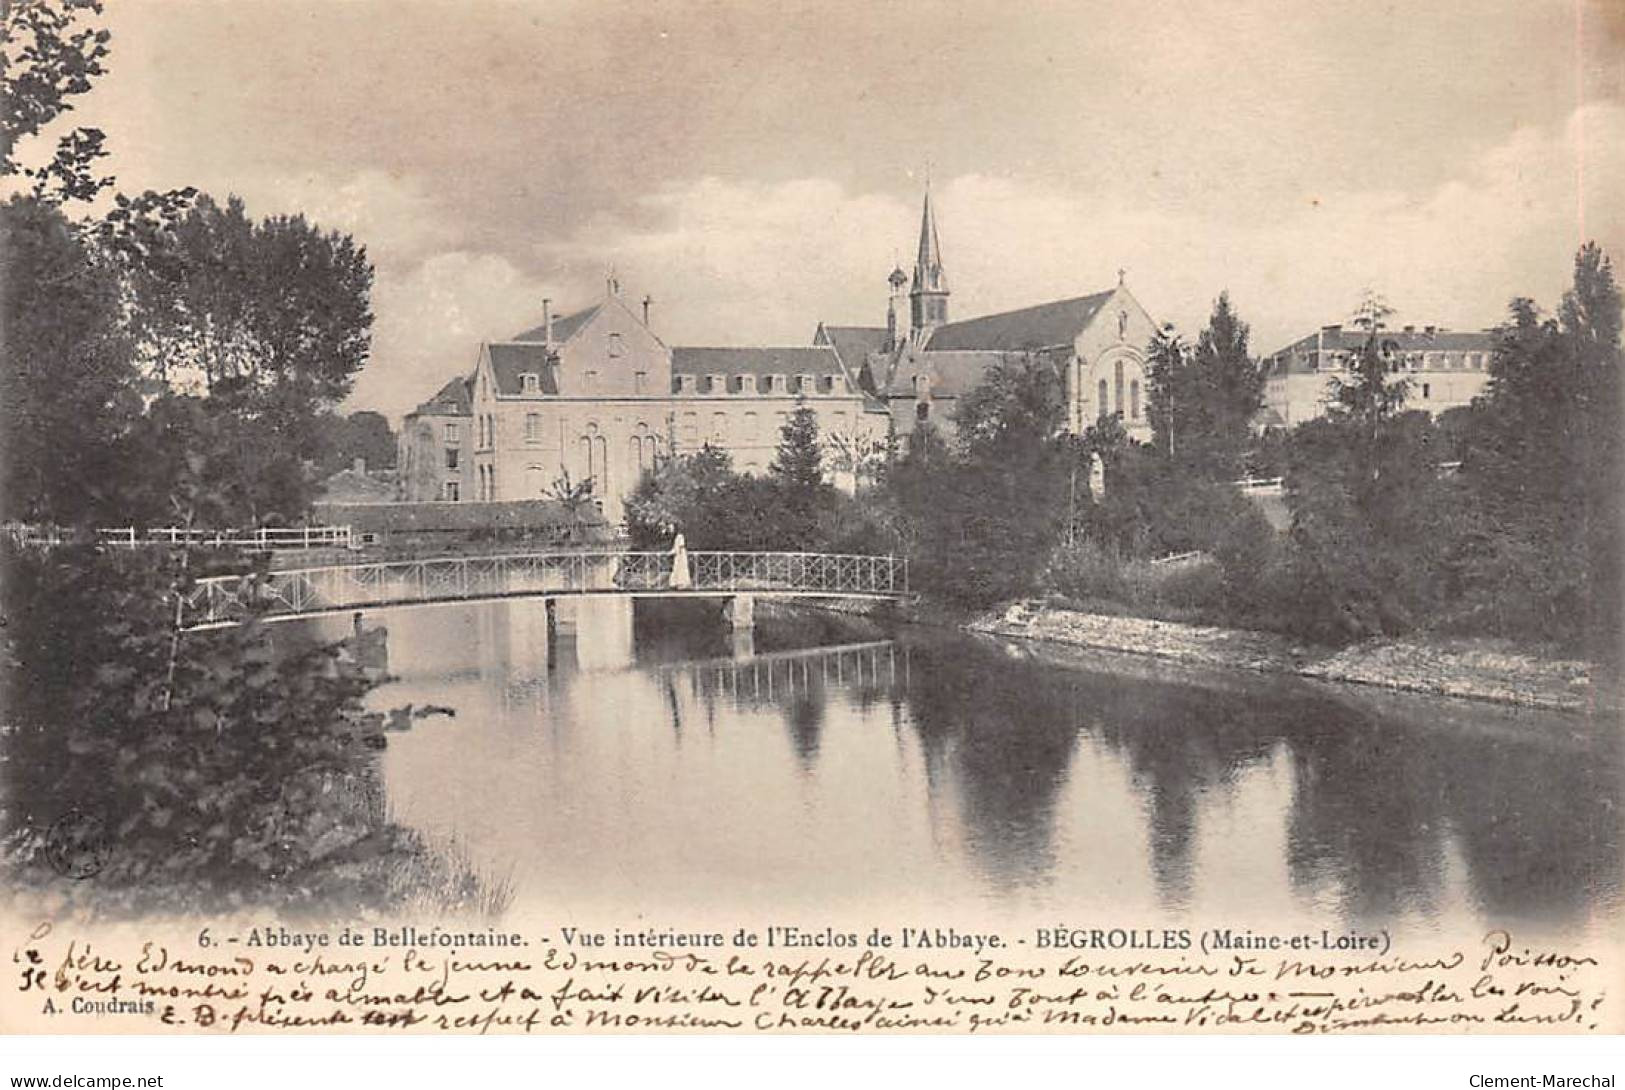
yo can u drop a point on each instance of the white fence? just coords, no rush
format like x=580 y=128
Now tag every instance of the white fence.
x=129 y=537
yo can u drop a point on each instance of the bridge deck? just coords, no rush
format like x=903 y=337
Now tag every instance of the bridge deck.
x=301 y=592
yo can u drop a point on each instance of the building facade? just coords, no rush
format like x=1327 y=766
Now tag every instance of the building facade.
x=1445 y=370
x=596 y=396
x=1097 y=344
x=432 y=456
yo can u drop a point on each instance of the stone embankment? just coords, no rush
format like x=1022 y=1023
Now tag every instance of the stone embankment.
x=1472 y=670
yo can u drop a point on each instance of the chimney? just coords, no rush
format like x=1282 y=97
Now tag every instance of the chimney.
x=547 y=322
x=648 y=301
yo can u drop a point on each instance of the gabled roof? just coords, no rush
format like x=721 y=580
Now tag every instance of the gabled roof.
x=811 y=360
x=1043 y=326
x=852 y=343
x=953 y=374
x=510 y=360
x=564 y=327
x=455 y=398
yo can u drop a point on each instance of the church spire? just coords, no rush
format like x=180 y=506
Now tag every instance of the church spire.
x=929 y=295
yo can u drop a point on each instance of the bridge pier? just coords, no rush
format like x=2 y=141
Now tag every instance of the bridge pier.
x=740 y=612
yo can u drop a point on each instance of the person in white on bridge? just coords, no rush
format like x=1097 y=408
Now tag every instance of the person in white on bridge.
x=679 y=564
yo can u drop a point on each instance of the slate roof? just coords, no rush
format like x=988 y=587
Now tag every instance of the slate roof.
x=953 y=374
x=1042 y=326
x=509 y=360
x=809 y=360
x=853 y=343
x=1290 y=360
x=564 y=327
x=455 y=398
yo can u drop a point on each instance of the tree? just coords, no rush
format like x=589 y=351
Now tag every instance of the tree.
x=250 y=332
x=1202 y=399
x=984 y=517
x=67 y=377
x=50 y=54
x=798 y=494
x=798 y=465
x=1542 y=459
x=277 y=304
x=363 y=434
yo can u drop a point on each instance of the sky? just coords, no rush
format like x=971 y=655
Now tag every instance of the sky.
x=757 y=167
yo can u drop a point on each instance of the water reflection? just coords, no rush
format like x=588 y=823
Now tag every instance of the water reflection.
x=622 y=757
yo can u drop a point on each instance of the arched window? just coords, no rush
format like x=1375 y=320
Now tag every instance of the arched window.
x=1118 y=406
x=1103 y=407
x=1134 y=400
x=535 y=482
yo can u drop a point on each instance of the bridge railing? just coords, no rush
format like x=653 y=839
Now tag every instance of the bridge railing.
x=231 y=599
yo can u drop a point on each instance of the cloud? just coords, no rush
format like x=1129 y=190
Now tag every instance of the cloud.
x=744 y=262
x=430 y=322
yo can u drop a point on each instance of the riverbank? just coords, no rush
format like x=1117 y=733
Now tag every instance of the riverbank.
x=1475 y=670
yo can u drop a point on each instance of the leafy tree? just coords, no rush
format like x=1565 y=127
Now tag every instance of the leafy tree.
x=983 y=517
x=1202 y=399
x=1542 y=459
x=363 y=434
x=67 y=377
x=277 y=305
x=250 y=332
x=50 y=53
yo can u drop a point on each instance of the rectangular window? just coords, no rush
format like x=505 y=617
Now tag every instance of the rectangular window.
x=590 y=381
x=640 y=382
x=690 y=433
x=452 y=454
x=617 y=348
x=452 y=491
x=1427 y=391
x=530 y=384
x=452 y=432
x=533 y=427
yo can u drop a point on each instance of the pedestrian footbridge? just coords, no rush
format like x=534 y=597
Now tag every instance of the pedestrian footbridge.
x=736 y=577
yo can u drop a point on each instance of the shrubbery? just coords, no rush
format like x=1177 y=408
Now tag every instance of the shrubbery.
x=226 y=768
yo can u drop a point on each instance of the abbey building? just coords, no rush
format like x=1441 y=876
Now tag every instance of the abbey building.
x=596 y=395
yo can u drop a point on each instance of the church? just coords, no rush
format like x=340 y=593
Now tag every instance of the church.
x=596 y=395
x=920 y=362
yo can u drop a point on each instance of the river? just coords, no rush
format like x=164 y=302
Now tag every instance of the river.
x=648 y=764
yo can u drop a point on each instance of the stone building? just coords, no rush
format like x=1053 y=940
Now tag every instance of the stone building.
x=432 y=456
x=1097 y=343
x=597 y=396
x=1446 y=370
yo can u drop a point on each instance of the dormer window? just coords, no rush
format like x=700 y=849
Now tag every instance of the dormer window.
x=685 y=384
x=747 y=384
x=530 y=384
x=775 y=384
x=718 y=383
x=807 y=384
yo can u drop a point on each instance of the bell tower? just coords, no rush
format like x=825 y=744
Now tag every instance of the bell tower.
x=928 y=296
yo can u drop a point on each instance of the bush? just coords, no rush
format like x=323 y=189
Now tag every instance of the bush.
x=220 y=763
